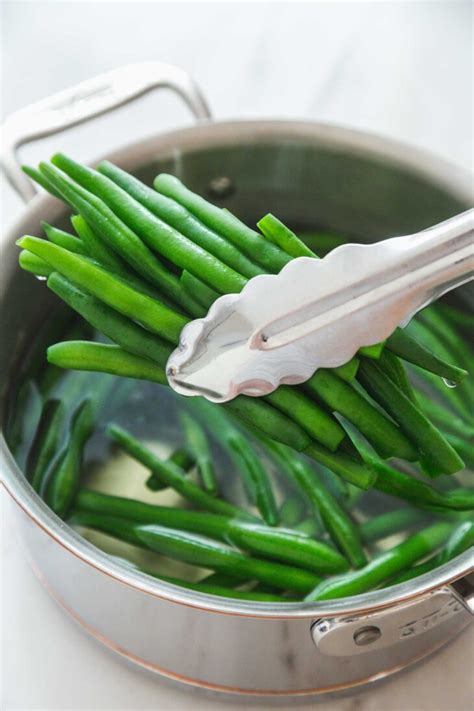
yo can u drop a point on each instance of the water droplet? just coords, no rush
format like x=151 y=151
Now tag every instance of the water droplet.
x=449 y=383
x=41 y=278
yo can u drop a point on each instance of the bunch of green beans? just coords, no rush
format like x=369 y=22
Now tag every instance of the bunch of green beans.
x=208 y=236
x=143 y=262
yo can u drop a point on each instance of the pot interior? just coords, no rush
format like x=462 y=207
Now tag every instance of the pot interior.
x=312 y=188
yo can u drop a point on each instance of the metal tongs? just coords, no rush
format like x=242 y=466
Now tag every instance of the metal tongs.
x=317 y=313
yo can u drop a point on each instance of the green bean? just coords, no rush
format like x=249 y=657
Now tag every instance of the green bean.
x=41 y=180
x=196 y=441
x=384 y=566
x=118 y=236
x=433 y=383
x=259 y=487
x=464 y=389
x=254 y=475
x=348 y=371
x=374 y=351
x=181 y=219
x=359 y=474
x=97 y=248
x=393 y=367
x=205 y=552
x=139 y=512
x=447 y=335
x=279 y=234
x=444 y=417
x=320 y=425
x=33 y=264
x=281 y=544
x=245 y=239
x=63 y=239
x=460 y=319
x=121 y=330
x=406 y=347
x=337 y=486
x=158 y=235
x=45 y=443
x=459 y=541
x=464 y=449
x=104 y=358
x=198 y=290
x=383 y=434
x=105 y=286
x=437 y=452
x=338 y=523
x=269 y=421
x=431 y=338
x=170 y=474
x=105 y=257
x=287 y=545
x=181 y=458
x=395 y=483
x=391 y=522
x=63 y=480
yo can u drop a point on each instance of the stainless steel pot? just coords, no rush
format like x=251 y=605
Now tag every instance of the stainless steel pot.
x=311 y=174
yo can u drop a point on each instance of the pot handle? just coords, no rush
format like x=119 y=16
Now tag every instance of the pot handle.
x=87 y=99
x=371 y=631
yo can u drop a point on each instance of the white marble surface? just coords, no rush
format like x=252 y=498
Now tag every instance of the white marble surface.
x=402 y=69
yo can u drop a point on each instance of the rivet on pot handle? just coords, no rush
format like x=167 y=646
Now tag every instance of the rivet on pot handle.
x=341 y=637
x=85 y=100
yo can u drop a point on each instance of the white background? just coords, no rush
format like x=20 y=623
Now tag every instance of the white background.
x=403 y=69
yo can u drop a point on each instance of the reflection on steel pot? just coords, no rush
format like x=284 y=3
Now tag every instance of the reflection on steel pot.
x=309 y=174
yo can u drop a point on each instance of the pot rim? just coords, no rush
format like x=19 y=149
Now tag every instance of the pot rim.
x=205 y=135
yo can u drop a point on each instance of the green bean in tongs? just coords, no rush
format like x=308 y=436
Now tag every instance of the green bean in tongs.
x=438 y=453
x=64 y=239
x=283 y=237
x=181 y=219
x=405 y=346
x=247 y=240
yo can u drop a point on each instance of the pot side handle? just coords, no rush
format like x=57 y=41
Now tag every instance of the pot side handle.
x=400 y=623
x=88 y=99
